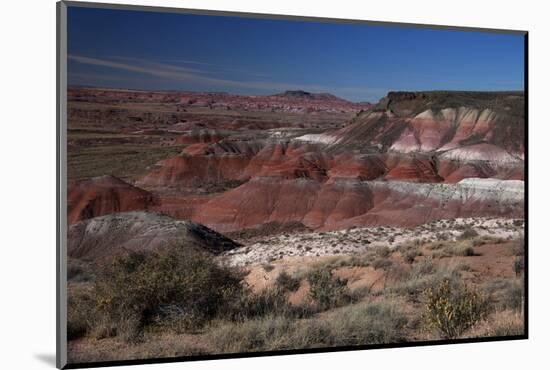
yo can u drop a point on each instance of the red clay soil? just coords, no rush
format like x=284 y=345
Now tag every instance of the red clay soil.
x=104 y=195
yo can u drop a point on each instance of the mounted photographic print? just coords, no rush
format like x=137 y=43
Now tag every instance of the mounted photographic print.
x=236 y=184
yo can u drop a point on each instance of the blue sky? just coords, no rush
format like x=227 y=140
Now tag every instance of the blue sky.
x=359 y=62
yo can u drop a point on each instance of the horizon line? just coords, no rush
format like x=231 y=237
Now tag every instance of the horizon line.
x=73 y=86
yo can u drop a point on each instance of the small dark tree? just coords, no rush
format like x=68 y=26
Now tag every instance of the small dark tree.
x=519 y=265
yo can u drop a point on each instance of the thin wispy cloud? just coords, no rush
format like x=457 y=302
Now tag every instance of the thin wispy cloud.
x=202 y=77
x=154 y=69
x=213 y=68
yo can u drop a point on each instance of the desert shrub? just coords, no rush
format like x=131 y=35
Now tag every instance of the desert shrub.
x=425 y=275
x=424 y=267
x=268 y=267
x=363 y=259
x=286 y=282
x=78 y=271
x=453 y=311
x=513 y=296
x=139 y=289
x=436 y=245
x=80 y=313
x=327 y=291
x=398 y=272
x=333 y=262
x=479 y=241
x=466 y=251
x=382 y=263
x=463 y=248
x=410 y=255
x=311 y=334
x=382 y=251
x=506 y=294
x=269 y=302
x=486 y=239
x=468 y=233
x=461 y=266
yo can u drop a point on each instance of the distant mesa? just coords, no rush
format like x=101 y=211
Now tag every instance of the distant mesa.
x=439 y=121
x=307 y=95
x=298 y=101
x=301 y=94
x=296 y=94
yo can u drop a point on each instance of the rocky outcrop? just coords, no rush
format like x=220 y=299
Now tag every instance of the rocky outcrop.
x=101 y=238
x=439 y=121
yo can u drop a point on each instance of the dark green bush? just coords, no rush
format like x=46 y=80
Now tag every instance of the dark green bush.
x=467 y=251
x=410 y=255
x=519 y=265
x=78 y=271
x=468 y=233
x=286 y=282
x=264 y=303
x=327 y=291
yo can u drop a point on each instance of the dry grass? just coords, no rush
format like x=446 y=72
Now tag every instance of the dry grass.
x=124 y=161
x=331 y=313
x=499 y=324
x=380 y=322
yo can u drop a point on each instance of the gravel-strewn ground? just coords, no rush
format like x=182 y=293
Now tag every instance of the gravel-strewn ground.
x=356 y=240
